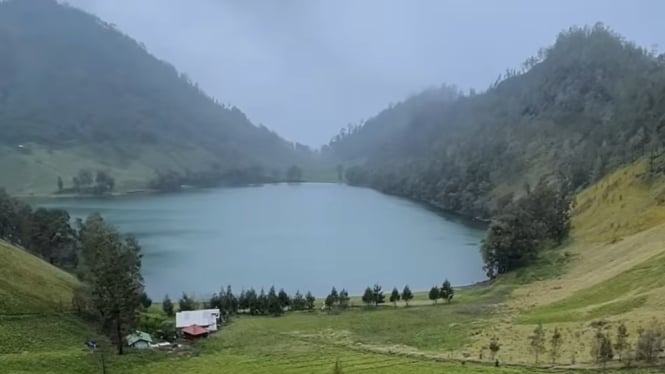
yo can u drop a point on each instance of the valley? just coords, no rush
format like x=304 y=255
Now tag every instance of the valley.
x=128 y=193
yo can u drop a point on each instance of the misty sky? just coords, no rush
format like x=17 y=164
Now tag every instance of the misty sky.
x=306 y=68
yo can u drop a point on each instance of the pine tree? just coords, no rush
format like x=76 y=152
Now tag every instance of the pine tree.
x=329 y=302
x=298 y=302
x=555 y=343
x=407 y=295
x=310 y=299
x=186 y=303
x=252 y=301
x=368 y=296
x=167 y=306
x=377 y=295
x=434 y=294
x=394 y=297
x=242 y=300
x=262 y=302
x=284 y=299
x=334 y=295
x=273 y=303
x=232 y=300
x=537 y=341
x=344 y=299
x=447 y=291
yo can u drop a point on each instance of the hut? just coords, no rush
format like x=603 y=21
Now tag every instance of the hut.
x=139 y=340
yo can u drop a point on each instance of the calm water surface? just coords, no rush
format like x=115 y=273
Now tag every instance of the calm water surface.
x=306 y=237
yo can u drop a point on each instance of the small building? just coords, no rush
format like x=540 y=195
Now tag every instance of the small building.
x=206 y=318
x=139 y=340
x=195 y=332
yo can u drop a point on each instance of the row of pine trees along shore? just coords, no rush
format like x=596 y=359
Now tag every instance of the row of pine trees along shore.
x=275 y=302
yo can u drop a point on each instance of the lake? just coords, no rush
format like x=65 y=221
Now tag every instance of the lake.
x=298 y=237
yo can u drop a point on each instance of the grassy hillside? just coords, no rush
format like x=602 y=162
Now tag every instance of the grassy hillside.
x=37 y=334
x=614 y=273
x=37 y=172
x=30 y=285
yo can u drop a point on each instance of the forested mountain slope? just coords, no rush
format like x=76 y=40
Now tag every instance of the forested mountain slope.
x=77 y=93
x=576 y=111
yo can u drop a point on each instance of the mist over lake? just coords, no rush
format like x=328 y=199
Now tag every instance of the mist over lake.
x=300 y=237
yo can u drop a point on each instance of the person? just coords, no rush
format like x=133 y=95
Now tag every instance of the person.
x=496 y=363
x=92 y=345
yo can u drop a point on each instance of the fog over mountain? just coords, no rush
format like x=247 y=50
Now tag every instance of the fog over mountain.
x=307 y=68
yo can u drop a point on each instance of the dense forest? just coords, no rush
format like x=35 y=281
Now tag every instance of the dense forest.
x=574 y=112
x=69 y=79
x=517 y=153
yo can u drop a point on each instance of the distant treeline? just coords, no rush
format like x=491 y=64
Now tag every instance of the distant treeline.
x=87 y=183
x=174 y=181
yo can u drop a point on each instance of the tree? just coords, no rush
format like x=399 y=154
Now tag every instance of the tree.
x=329 y=302
x=649 y=344
x=60 y=184
x=394 y=297
x=601 y=350
x=447 y=291
x=377 y=295
x=82 y=180
x=284 y=299
x=368 y=296
x=334 y=295
x=50 y=236
x=407 y=295
x=344 y=299
x=111 y=267
x=310 y=299
x=232 y=300
x=298 y=302
x=146 y=301
x=621 y=345
x=434 y=294
x=262 y=303
x=252 y=301
x=104 y=183
x=537 y=341
x=167 y=306
x=274 y=305
x=294 y=174
x=242 y=300
x=494 y=347
x=215 y=302
x=555 y=344
x=186 y=303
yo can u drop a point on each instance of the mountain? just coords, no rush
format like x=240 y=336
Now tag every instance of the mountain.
x=578 y=110
x=77 y=93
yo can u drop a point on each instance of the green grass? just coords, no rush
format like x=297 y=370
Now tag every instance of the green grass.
x=30 y=285
x=641 y=278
